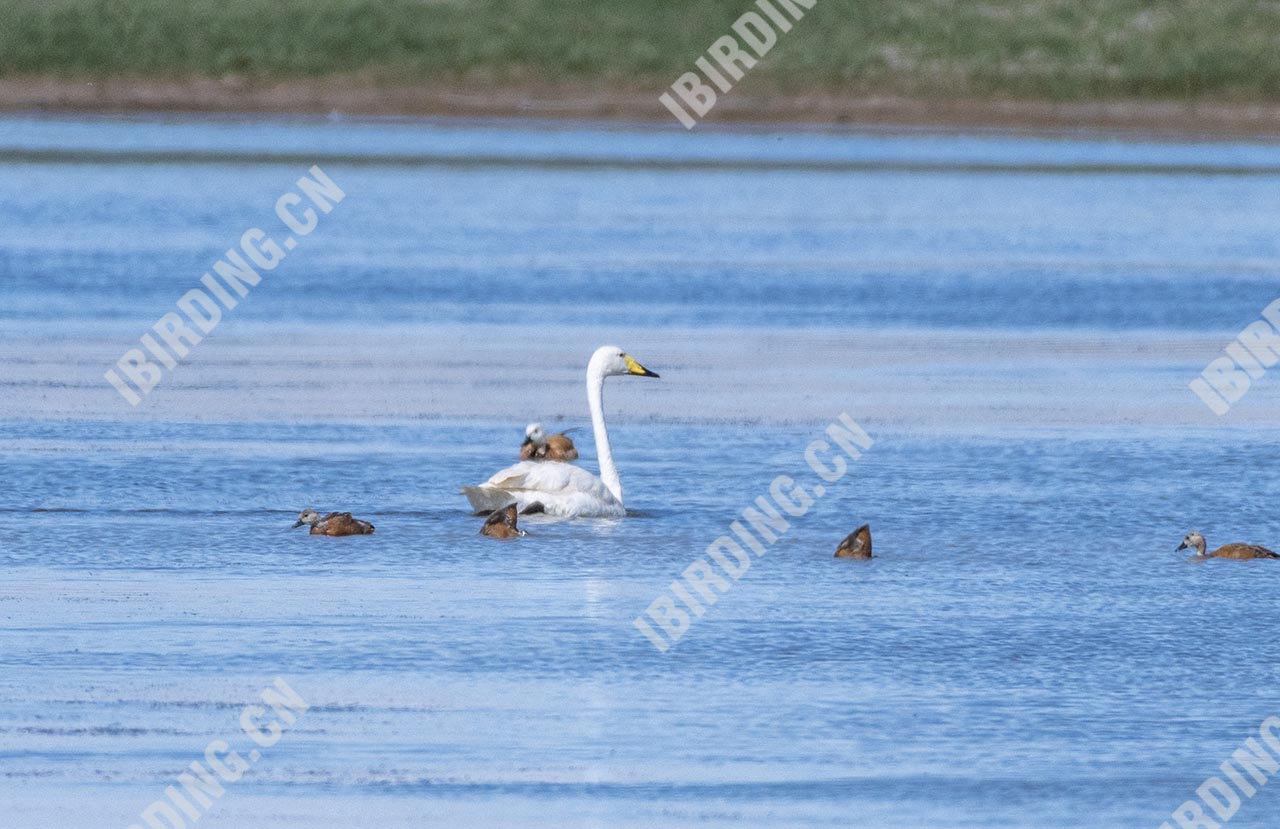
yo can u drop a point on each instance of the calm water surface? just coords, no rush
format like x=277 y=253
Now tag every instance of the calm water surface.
x=1014 y=320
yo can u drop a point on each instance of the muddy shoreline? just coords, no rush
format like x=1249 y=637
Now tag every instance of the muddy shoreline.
x=586 y=101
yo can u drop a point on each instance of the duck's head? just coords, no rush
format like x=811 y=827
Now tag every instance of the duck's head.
x=535 y=434
x=611 y=361
x=1193 y=541
x=308 y=517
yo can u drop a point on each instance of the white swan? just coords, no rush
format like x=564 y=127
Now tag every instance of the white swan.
x=563 y=489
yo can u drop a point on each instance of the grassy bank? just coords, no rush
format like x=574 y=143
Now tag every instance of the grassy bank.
x=1056 y=50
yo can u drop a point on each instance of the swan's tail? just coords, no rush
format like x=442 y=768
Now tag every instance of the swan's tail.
x=486 y=499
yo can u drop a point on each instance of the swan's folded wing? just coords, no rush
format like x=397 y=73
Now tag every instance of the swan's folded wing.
x=544 y=477
x=514 y=476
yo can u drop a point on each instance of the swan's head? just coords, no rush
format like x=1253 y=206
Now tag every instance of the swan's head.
x=611 y=361
x=309 y=517
x=535 y=434
x=1194 y=541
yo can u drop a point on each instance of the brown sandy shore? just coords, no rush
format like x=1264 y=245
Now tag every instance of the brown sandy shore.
x=1203 y=119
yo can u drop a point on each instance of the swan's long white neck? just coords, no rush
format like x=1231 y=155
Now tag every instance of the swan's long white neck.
x=595 y=399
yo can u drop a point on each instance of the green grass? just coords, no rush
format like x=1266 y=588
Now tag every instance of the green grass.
x=1056 y=49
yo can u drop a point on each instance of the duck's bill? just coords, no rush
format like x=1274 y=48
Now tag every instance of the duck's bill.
x=635 y=368
x=296 y=524
x=1181 y=546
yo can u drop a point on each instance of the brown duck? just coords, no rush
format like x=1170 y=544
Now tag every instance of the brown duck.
x=335 y=523
x=539 y=446
x=1240 y=552
x=502 y=523
x=856 y=544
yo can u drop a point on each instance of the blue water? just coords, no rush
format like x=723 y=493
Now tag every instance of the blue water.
x=1026 y=651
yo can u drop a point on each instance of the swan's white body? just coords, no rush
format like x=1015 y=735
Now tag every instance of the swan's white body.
x=565 y=490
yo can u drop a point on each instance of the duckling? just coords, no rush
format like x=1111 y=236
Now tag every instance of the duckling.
x=856 y=544
x=335 y=523
x=1240 y=552
x=502 y=524
x=539 y=446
